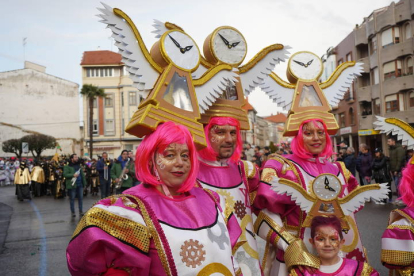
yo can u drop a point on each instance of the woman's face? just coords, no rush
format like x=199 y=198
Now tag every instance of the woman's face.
x=377 y=154
x=327 y=243
x=314 y=137
x=173 y=165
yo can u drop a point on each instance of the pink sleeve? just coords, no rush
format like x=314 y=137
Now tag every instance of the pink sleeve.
x=234 y=230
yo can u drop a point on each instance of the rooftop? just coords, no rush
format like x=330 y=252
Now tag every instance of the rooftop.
x=102 y=57
x=278 y=118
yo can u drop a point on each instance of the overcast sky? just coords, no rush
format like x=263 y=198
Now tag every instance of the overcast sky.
x=58 y=31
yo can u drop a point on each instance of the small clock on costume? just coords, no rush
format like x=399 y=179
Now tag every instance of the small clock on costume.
x=326 y=187
x=304 y=66
x=227 y=45
x=180 y=49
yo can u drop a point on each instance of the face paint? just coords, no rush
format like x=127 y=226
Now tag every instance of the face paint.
x=327 y=243
x=223 y=140
x=314 y=137
x=173 y=166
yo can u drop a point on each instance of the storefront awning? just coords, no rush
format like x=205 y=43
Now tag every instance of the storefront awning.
x=365 y=132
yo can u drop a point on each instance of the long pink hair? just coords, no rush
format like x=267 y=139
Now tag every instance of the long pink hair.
x=208 y=153
x=298 y=146
x=165 y=134
x=406 y=186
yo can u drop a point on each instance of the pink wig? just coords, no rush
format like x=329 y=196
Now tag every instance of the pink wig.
x=406 y=186
x=208 y=153
x=165 y=134
x=298 y=146
x=326 y=221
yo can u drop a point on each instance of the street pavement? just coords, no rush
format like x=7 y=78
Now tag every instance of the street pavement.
x=34 y=234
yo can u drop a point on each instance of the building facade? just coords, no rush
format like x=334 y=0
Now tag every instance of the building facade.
x=384 y=43
x=112 y=113
x=35 y=102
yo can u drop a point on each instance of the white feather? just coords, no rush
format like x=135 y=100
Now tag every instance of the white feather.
x=160 y=28
x=385 y=127
x=256 y=75
x=359 y=200
x=335 y=93
x=294 y=193
x=212 y=89
x=281 y=95
x=132 y=55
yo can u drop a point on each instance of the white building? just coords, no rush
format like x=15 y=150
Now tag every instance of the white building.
x=35 y=102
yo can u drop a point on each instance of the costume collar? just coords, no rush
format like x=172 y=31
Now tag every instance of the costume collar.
x=217 y=163
x=321 y=159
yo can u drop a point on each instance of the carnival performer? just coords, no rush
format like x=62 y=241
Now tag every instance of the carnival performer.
x=75 y=181
x=22 y=180
x=165 y=226
x=4 y=178
x=122 y=171
x=280 y=219
x=327 y=240
x=222 y=171
x=104 y=166
x=38 y=179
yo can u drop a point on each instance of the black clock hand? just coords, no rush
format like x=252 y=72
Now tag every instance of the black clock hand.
x=175 y=42
x=327 y=185
x=225 y=41
x=300 y=63
x=309 y=63
x=235 y=44
x=185 y=49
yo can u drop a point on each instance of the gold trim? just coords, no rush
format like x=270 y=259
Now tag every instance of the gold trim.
x=357 y=191
x=292 y=167
x=281 y=82
x=274 y=227
x=168 y=59
x=367 y=270
x=302 y=191
x=138 y=37
x=267 y=248
x=205 y=63
x=323 y=199
x=172 y=26
x=335 y=75
x=404 y=215
x=347 y=173
x=297 y=254
x=397 y=257
x=210 y=73
x=252 y=197
x=354 y=243
x=259 y=56
x=118 y=227
x=399 y=123
x=214 y=268
x=246 y=246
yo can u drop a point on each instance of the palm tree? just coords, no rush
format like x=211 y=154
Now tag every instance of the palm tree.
x=91 y=92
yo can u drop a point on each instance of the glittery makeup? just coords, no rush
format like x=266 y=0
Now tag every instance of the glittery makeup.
x=314 y=137
x=223 y=140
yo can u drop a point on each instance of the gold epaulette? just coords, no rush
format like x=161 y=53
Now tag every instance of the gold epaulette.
x=249 y=169
x=347 y=173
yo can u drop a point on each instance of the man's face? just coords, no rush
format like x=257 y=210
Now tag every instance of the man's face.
x=223 y=140
x=75 y=159
x=130 y=154
x=124 y=155
x=104 y=156
x=390 y=142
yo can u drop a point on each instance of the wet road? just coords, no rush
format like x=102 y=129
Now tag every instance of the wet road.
x=34 y=235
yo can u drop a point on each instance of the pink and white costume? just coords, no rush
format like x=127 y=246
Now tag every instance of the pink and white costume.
x=348 y=267
x=143 y=232
x=398 y=242
x=235 y=183
x=280 y=220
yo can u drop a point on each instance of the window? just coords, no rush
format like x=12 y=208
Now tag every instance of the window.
x=392 y=69
x=98 y=72
x=340 y=61
x=109 y=126
x=132 y=98
x=352 y=116
x=409 y=63
x=391 y=103
x=373 y=45
x=94 y=127
x=412 y=99
x=365 y=108
x=109 y=102
x=390 y=36
x=375 y=76
x=342 y=119
x=377 y=106
x=408 y=33
x=349 y=57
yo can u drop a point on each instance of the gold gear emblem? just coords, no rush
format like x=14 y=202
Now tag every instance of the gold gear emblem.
x=192 y=253
x=229 y=200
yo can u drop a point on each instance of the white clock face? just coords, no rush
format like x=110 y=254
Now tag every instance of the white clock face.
x=327 y=187
x=305 y=65
x=229 y=46
x=181 y=50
